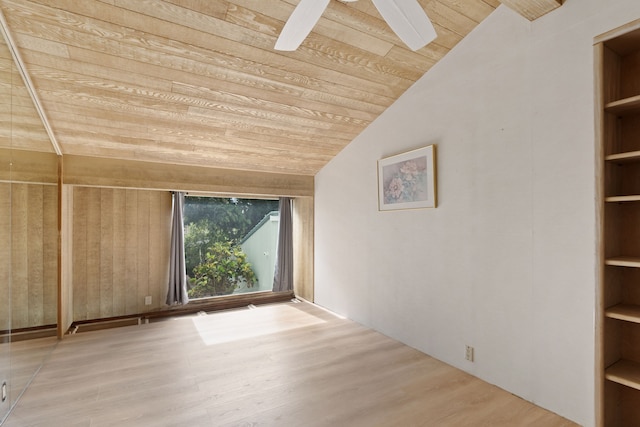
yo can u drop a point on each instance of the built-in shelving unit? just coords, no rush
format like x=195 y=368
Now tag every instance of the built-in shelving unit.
x=623 y=262
x=633 y=156
x=626 y=312
x=623 y=106
x=626 y=373
x=618 y=120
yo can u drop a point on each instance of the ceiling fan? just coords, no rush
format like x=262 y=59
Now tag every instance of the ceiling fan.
x=405 y=17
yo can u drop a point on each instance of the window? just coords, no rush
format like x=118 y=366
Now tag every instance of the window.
x=230 y=245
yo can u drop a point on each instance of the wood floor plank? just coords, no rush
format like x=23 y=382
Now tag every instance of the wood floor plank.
x=275 y=365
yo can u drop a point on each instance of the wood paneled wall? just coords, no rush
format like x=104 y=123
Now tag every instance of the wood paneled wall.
x=28 y=166
x=5 y=256
x=120 y=251
x=119 y=257
x=30 y=211
x=65 y=288
x=115 y=240
x=302 y=217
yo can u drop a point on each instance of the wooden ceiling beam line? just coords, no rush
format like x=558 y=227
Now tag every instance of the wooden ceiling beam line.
x=13 y=48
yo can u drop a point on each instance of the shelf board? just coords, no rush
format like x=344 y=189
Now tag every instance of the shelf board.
x=631 y=156
x=623 y=262
x=624 y=372
x=624 y=106
x=626 y=312
x=618 y=199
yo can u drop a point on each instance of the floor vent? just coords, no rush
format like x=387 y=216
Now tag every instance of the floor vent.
x=107 y=324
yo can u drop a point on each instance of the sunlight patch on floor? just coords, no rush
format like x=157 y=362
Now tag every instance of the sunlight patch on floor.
x=238 y=325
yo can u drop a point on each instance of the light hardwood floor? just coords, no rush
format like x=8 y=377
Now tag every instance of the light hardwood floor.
x=288 y=364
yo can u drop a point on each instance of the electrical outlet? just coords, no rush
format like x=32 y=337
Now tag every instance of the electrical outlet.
x=147 y=300
x=468 y=353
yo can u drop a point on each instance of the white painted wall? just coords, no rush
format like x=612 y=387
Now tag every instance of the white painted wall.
x=506 y=263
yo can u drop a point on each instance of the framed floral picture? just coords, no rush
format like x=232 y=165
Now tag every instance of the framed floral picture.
x=408 y=180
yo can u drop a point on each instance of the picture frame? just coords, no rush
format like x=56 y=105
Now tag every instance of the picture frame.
x=408 y=180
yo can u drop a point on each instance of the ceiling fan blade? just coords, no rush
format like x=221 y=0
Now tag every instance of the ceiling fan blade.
x=300 y=23
x=408 y=20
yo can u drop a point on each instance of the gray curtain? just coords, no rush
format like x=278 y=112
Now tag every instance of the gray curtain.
x=177 y=270
x=283 y=278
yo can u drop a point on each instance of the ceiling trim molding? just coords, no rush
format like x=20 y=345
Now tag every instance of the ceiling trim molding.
x=4 y=28
x=532 y=9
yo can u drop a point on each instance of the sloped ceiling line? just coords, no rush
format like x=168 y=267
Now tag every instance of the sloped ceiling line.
x=28 y=83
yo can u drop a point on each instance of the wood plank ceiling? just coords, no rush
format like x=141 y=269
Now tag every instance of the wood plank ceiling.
x=197 y=82
x=19 y=120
